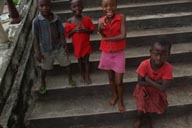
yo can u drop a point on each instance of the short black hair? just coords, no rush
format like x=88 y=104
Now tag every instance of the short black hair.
x=115 y=1
x=164 y=43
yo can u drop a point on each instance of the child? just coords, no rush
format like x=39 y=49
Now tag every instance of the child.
x=154 y=76
x=112 y=29
x=49 y=41
x=80 y=27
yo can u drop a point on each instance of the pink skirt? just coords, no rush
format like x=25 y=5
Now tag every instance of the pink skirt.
x=113 y=61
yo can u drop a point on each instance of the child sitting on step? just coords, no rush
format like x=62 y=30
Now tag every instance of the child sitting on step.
x=80 y=27
x=112 y=29
x=154 y=76
x=49 y=42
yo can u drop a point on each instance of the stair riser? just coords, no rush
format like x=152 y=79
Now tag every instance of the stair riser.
x=79 y=122
x=159 y=23
x=65 y=5
x=136 y=11
x=144 y=40
x=71 y=93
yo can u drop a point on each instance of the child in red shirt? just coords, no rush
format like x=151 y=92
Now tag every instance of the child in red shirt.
x=112 y=29
x=79 y=28
x=154 y=76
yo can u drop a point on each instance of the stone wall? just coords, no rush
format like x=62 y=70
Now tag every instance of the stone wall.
x=18 y=73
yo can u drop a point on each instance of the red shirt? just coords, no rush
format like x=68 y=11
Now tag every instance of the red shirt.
x=113 y=29
x=165 y=72
x=80 y=40
x=149 y=98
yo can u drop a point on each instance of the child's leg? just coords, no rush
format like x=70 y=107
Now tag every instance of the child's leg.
x=149 y=120
x=43 y=82
x=80 y=64
x=70 y=79
x=119 y=83
x=87 y=70
x=111 y=75
x=138 y=121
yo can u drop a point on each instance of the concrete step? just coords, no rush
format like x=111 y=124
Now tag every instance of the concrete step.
x=65 y=4
x=135 y=9
x=68 y=111
x=57 y=84
x=180 y=52
x=137 y=38
x=181 y=120
x=156 y=21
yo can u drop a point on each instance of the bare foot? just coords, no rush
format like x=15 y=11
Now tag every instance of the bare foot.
x=88 y=80
x=82 y=79
x=113 y=101
x=121 y=107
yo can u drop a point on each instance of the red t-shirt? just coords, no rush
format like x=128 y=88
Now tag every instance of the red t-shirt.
x=165 y=72
x=149 y=98
x=80 y=40
x=113 y=29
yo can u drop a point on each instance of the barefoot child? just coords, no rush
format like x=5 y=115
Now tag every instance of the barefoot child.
x=112 y=29
x=49 y=41
x=80 y=27
x=154 y=76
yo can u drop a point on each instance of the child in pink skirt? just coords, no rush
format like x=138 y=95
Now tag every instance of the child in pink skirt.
x=154 y=76
x=112 y=29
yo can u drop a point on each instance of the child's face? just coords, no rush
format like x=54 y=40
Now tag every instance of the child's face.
x=77 y=7
x=159 y=54
x=44 y=7
x=109 y=7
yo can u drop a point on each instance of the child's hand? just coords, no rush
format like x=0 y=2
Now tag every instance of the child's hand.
x=147 y=78
x=66 y=49
x=102 y=23
x=101 y=34
x=80 y=29
x=39 y=57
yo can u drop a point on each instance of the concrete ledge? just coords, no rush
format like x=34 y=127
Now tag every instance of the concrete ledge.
x=13 y=92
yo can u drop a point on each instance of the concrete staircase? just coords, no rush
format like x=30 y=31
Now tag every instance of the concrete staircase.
x=86 y=106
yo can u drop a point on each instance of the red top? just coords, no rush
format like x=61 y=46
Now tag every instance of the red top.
x=80 y=40
x=165 y=72
x=149 y=98
x=113 y=29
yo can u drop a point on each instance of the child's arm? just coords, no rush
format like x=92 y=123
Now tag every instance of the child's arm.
x=73 y=31
x=83 y=29
x=163 y=85
x=141 y=80
x=39 y=55
x=123 y=32
x=65 y=46
x=35 y=27
x=101 y=26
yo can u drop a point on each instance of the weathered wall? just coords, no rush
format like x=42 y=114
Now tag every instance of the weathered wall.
x=19 y=74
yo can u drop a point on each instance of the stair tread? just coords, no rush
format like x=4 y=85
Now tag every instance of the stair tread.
x=177 y=121
x=98 y=104
x=158 y=16
x=152 y=16
x=131 y=5
x=100 y=78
